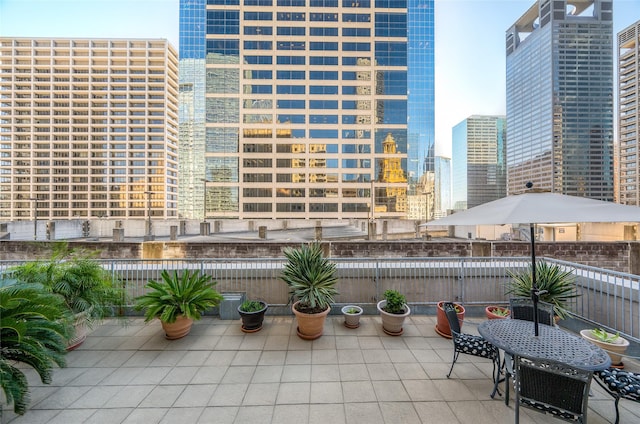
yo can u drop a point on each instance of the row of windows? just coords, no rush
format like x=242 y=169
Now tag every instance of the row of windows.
x=395 y=4
x=301 y=192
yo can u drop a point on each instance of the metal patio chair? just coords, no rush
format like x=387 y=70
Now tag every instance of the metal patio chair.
x=552 y=387
x=620 y=385
x=470 y=344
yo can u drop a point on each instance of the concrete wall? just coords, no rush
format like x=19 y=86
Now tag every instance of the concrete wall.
x=617 y=256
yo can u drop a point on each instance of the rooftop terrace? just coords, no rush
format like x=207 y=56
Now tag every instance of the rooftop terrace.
x=218 y=374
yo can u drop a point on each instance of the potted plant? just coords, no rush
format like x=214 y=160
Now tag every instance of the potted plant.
x=177 y=300
x=252 y=315
x=557 y=286
x=311 y=278
x=90 y=292
x=33 y=333
x=611 y=343
x=497 y=312
x=352 y=315
x=393 y=310
x=442 y=323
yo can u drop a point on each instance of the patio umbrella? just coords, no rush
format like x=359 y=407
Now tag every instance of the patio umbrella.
x=537 y=207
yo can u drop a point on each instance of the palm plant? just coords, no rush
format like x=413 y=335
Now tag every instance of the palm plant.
x=188 y=294
x=311 y=278
x=557 y=286
x=87 y=288
x=33 y=331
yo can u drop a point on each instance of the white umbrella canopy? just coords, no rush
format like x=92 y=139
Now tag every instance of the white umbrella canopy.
x=541 y=208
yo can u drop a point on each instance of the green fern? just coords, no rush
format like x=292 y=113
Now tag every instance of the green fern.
x=34 y=328
x=310 y=276
x=188 y=294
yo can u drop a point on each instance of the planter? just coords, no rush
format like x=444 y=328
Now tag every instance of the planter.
x=614 y=350
x=80 y=330
x=352 y=319
x=442 y=323
x=490 y=312
x=310 y=326
x=252 y=321
x=392 y=323
x=178 y=329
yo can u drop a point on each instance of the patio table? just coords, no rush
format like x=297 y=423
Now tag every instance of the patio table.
x=516 y=337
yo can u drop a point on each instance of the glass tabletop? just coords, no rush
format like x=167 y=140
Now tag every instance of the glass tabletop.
x=517 y=337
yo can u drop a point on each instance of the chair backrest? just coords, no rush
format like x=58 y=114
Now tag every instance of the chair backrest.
x=522 y=308
x=452 y=317
x=556 y=387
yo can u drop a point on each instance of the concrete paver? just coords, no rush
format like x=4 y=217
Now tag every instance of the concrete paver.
x=217 y=374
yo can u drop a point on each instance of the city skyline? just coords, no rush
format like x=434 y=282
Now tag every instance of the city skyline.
x=468 y=83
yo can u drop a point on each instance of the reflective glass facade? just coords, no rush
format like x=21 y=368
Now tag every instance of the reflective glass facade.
x=479 y=172
x=300 y=108
x=560 y=99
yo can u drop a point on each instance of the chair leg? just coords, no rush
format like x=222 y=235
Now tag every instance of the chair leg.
x=455 y=358
x=497 y=370
x=617 y=411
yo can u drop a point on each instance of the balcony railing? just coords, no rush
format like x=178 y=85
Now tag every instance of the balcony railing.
x=607 y=298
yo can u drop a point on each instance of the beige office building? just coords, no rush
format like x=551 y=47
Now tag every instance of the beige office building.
x=628 y=116
x=88 y=128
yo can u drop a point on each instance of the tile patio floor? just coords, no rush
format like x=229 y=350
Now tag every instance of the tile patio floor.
x=218 y=374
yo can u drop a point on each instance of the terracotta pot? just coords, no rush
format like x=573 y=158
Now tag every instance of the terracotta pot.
x=442 y=323
x=178 y=329
x=351 y=320
x=392 y=323
x=614 y=350
x=252 y=321
x=489 y=310
x=310 y=326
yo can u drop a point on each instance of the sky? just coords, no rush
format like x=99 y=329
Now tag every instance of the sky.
x=469 y=41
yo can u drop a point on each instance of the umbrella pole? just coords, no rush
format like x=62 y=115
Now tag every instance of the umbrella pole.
x=534 y=287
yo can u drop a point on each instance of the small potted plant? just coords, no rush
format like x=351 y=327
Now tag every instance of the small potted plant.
x=442 y=323
x=352 y=315
x=497 y=312
x=611 y=343
x=177 y=300
x=393 y=310
x=252 y=315
x=311 y=278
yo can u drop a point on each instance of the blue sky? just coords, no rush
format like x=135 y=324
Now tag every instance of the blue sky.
x=470 y=62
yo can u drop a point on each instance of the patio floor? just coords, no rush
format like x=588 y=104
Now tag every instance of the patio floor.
x=218 y=374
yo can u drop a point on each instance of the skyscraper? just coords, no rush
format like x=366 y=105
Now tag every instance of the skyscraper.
x=478 y=161
x=299 y=108
x=89 y=128
x=560 y=98
x=628 y=116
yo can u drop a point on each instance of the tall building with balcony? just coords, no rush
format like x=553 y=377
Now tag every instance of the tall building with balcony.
x=559 y=75
x=299 y=108
x=478 y=161
x=88 y=128
x=628 y=116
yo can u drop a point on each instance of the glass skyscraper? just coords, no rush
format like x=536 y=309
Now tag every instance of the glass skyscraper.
x=300 y=108
x=478 y=161
x=560 y=98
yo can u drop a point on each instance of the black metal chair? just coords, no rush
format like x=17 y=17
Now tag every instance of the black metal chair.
x=470 y=344
x=522 y=308
x=552 y=387
x=619 y=384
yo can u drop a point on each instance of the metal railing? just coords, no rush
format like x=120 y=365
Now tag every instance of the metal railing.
x=607 y=298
